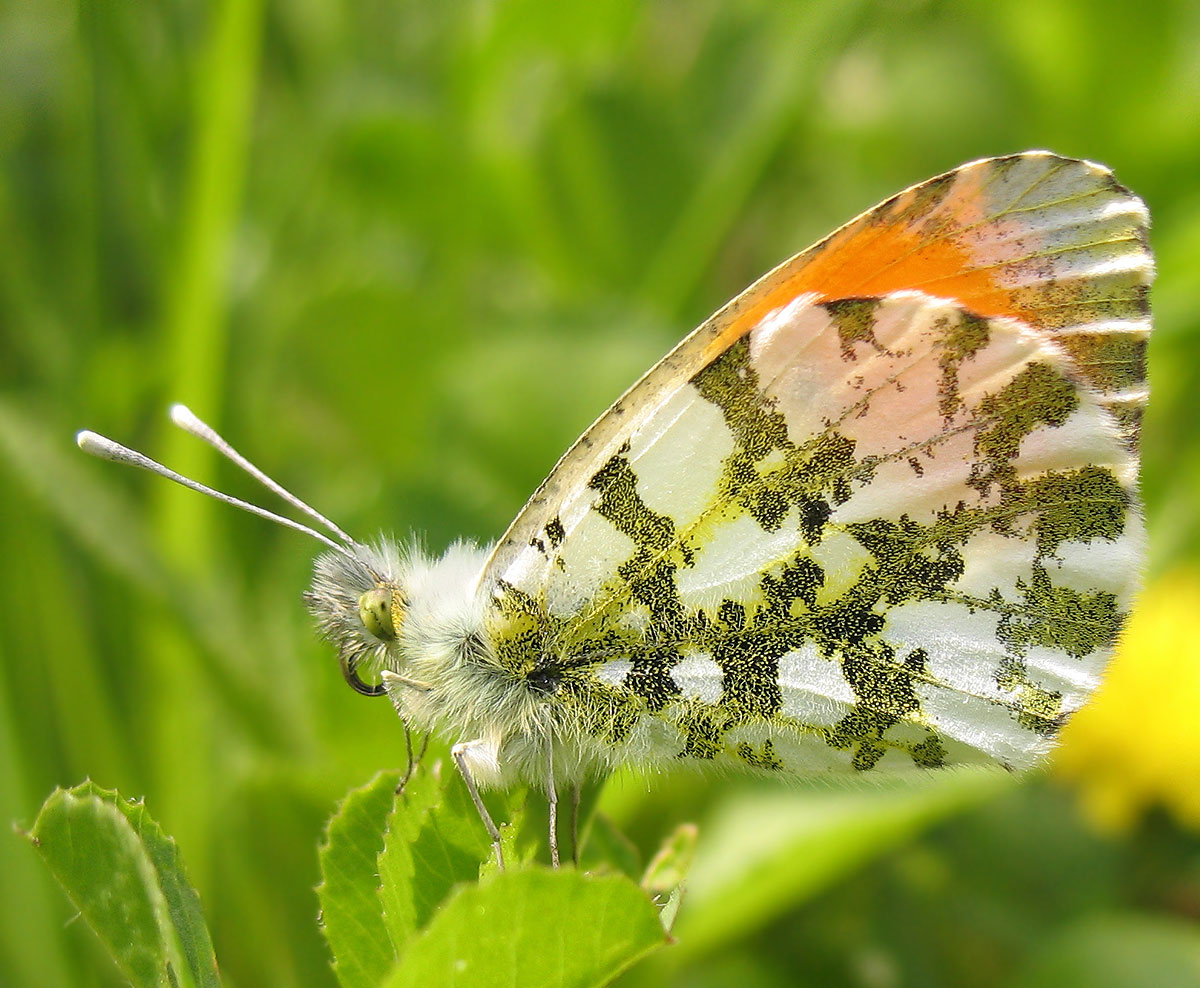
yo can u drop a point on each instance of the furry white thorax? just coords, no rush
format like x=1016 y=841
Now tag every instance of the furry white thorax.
x=439 y=670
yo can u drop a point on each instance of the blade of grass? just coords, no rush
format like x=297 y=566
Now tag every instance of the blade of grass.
x=194 y=351
x=194 y=320
x=793 y=62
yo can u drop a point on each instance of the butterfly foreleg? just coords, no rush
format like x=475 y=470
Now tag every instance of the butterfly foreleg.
x=552 y=800
x=575 y=793
x=415 y=757
x=460 y=753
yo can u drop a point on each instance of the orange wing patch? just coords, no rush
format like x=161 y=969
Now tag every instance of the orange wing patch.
x=1054 y=242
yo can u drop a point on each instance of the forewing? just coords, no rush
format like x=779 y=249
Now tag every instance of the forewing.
x=867 y=531
x=1052 y=241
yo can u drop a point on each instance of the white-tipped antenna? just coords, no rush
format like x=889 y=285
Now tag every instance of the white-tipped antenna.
x=188 y=421
x=106 y=449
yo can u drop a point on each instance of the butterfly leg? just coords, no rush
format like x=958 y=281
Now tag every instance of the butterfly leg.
x=575 y=824
x=460 y=753
x=408 y=770
x=414 y=759
x=552 y=798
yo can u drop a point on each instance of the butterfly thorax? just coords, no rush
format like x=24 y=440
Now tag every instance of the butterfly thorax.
x=420 y=623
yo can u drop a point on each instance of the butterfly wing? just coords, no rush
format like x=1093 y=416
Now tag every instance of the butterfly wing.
x=857 y=530
x=1055 y=242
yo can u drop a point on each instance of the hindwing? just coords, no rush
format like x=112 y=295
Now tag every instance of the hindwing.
x=847 y=523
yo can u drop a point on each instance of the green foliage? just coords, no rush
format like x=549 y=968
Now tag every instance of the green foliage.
x=402 y=254
x=558 y=929
x=410 y=894
x=803 y=847
x=125 y=877
x=386 y=921
x=1118 y=951
x=429 y=918
x=352 y=913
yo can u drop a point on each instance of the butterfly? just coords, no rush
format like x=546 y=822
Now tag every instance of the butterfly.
x=879 y=512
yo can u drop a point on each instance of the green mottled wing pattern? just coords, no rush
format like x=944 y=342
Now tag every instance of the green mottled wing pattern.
x=875 y=531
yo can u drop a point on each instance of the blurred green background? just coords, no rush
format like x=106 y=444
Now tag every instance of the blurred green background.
x=402 y=253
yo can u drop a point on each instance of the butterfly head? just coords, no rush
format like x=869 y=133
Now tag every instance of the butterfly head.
x=359 y=604
x=356 y=595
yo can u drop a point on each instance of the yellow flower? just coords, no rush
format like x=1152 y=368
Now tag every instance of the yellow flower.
x=1137 y=744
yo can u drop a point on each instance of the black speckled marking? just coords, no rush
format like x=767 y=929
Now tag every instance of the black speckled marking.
x=528 y=628
x=650 y=677
x=1059 y=617
x=885 y=694
x=914 y=561
x=1040 y=709
x=880 y=683
x=824 y=464
x=854 y=321
x=965 y=336
x=652 y=582
x=1078 y=506
x=814 y=513
x=1129 y=420
x=1038 y=395
x=845 y=622
x=1112 y=361
x=650 y=573
x=703 y=729
x=749 y=664
x=798 y=581
x=731 y=383
x=621 y=504
x=601 y=710
x=809 y=476
x=861 y=730
x=763 y=758
x=930 y=753
x=917 y=203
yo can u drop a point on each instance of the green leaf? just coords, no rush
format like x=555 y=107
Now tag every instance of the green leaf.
x=667 y=870
x=607 y=847
x=352 y=915
x=449 y=847
x=434 y=841
x=524 y=825
x=125 y=877
x=772 y=849
x=670 y=865
x=397 y=870
x=536 y=929
x=1120 y=951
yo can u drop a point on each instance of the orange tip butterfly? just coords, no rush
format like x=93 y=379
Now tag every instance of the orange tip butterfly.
x=879 y=512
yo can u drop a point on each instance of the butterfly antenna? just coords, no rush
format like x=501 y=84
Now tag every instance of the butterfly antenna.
x=106 y=449
x=188 y=421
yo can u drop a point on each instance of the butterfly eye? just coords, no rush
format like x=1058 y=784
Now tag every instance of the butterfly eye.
x=375 y=612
